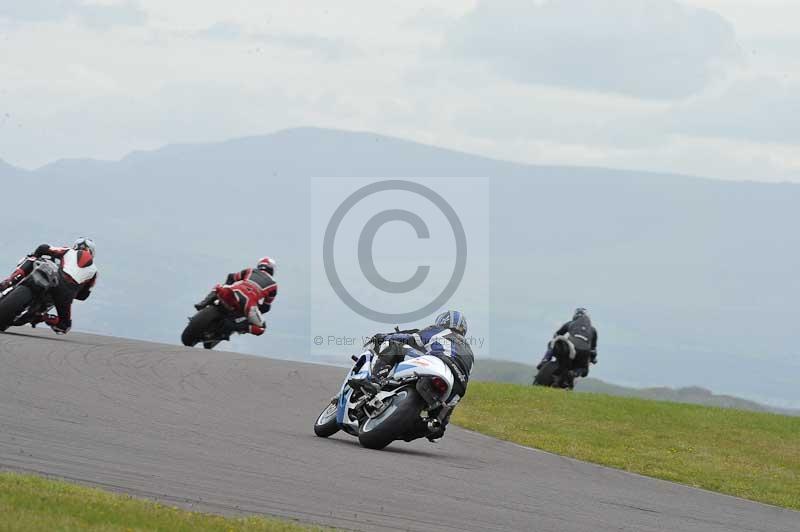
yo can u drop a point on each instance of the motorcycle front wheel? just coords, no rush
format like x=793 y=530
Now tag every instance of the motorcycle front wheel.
x=13 y=304
x=326 y=424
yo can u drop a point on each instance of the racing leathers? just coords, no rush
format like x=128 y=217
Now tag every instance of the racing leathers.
x=251 y=292
x=78 y=277
x=446 y=344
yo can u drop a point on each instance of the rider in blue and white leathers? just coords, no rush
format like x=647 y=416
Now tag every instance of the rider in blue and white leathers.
x=444 y=340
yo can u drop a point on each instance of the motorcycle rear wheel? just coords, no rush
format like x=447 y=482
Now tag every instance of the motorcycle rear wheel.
x=400 y=418
x=545 y=376
x=13 y=304
x=199 y=324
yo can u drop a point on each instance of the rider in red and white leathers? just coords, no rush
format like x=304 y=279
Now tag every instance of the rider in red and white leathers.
x=251 y=292
x=78 y=277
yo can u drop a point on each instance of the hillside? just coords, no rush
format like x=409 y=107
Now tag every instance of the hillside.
x=8 y=171
x=686 y=276
x=517 y=373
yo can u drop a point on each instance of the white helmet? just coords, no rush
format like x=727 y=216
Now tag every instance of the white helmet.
x=84 y=243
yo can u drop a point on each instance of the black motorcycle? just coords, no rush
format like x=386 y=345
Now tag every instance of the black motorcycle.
x=30 y=299
x=212 y=324
x=552 y=374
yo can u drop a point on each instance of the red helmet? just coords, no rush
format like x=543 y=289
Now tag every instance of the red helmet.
x=266 y=265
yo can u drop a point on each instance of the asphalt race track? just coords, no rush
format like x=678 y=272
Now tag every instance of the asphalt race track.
x=229 y=433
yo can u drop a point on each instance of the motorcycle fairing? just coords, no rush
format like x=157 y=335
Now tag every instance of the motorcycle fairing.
x=362 y=367
x=425 y=366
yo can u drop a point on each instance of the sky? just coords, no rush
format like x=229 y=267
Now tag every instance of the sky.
x=699 y=87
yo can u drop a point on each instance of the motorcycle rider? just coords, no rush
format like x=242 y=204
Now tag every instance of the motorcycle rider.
x=574 y=346
x=444 y=340
x=252 y=291
x=78 y=277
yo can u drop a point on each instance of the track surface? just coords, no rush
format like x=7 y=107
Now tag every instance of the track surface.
x=229 y=433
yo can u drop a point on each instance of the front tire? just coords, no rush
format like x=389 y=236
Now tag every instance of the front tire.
x=326 y=424
x=199 y=324
x=13 y=304
x=399 y=419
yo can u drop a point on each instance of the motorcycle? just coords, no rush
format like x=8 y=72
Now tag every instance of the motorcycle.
x=549 y=374
x=413 y=403
x=214 y=323
x=29 y=300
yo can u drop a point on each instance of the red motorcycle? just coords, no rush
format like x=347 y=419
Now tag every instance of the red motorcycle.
x=215 y=322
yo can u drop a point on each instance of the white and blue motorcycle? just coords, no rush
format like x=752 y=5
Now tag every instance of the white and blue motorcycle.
x=414 y=401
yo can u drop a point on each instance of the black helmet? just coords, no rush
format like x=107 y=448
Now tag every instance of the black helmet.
x=580 y=311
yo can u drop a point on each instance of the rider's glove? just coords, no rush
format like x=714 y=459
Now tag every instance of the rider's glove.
x=43 y=249
x=377 y=339
x=540 y=365
x=594 y=357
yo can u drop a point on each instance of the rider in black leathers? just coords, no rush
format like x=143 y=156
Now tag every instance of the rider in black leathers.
x=574 y=346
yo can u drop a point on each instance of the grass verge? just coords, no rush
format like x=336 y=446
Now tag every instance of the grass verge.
x=747 y=454
x=31 y=504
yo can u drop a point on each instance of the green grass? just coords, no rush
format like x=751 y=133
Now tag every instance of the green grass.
x=31 y=504
x=747 y=454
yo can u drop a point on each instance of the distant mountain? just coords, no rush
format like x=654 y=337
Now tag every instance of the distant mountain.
x=689 y=280
x=8 y=171
x=516 y=373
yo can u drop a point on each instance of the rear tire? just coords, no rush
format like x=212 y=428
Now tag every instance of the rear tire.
x=546 y=376
x=199 y=324
x=13 y=304
x=326 y=424
x=400 y=419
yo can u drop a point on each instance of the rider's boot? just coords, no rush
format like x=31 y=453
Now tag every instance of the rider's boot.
x=58 y=325
x=206 y=300
x=365 y=383
x=380 y=374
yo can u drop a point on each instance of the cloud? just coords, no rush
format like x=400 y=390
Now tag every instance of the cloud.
x=328 y=48
x=222 y=31
x=762 y=109
x=656 y=49
x=94 y=15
